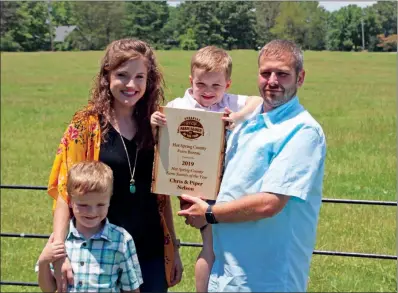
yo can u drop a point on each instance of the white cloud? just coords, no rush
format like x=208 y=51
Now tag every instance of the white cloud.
x=336 y=5
x=174 y=3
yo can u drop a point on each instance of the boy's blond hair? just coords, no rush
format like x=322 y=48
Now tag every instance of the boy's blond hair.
x=212 y=59
x=89 y=176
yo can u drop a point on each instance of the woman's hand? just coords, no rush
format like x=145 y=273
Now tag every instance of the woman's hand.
x=158 y=119
x=176 y=272
x=63 y=274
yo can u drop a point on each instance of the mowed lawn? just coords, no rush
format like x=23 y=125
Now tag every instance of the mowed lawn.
x=352 y=95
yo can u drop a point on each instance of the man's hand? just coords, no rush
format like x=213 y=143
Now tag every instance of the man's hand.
x=63 y=274
x=184 y=204
x=176 y=272
x=195 y=214
x=52 y=251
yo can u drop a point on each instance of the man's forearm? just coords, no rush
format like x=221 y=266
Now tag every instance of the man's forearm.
x=61 y=220
x=250 y=208
x=46 y=279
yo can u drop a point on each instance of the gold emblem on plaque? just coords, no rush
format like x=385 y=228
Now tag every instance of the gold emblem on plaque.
x=191 y=128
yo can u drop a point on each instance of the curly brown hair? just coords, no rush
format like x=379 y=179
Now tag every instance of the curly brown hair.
x=101 y=101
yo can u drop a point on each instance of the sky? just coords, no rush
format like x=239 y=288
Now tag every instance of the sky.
x=328 y=5
x=336 y=5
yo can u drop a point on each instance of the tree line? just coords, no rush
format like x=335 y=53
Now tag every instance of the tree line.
x=30 y=26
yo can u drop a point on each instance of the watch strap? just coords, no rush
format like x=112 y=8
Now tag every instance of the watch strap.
x=210 y=218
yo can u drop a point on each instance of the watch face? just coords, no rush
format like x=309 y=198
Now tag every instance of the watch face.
x=210 y=218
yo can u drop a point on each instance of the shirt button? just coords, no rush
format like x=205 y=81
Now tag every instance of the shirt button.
x=82 y=263
x=84 y=244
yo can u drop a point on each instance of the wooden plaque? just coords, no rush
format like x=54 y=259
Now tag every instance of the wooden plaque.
x=189 y=154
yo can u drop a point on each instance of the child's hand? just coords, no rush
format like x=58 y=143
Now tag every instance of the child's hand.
x=52 y=251
x=158 y=119
x=230 y=118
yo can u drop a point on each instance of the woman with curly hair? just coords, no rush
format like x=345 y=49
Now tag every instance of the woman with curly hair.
x=115 y=129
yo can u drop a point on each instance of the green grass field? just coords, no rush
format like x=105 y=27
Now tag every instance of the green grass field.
x=352 y=95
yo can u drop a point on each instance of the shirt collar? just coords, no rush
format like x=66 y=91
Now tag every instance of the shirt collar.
x=104 y=233
x=281 y=113
x=222 y=104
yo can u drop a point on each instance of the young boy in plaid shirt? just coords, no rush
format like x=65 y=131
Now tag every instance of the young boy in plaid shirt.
x=102 y=255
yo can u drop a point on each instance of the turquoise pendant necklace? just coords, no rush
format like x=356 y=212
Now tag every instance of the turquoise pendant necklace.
x=132 y=181
x=132 y=186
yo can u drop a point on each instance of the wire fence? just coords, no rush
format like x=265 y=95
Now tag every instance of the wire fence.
x=194 y=244
x=329 y=200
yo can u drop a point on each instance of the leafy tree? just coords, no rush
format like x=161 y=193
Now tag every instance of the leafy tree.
x=62 y=13
x=315 y=26
x=8 y=15
x=187 y=40
x=388 y=43
x=291 y=22
x=302 y=22
x=194 y=24
x=202 y=19
x=99 y=23
x=145 y=20
x=170 y=30
x=372 y=27
x=345 y=32
x=30 y=31
x=266 y=13
x=9 y=20
x=238 y=21
x=387 y=11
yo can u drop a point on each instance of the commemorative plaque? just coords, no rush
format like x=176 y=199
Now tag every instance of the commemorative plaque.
x=189 y=154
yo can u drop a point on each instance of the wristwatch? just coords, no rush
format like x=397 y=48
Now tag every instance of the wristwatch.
x=210 y=218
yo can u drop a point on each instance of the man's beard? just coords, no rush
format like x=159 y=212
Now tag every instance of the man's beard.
x=273 y=103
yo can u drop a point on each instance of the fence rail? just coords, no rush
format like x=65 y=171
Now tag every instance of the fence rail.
x=193 y=244
x=328 y=200
x=196 y=244
x=17 y=283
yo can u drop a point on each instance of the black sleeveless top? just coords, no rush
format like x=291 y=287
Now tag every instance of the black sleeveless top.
x=138 y=212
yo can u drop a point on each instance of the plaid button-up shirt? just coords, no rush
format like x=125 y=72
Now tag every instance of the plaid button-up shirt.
x=107 y=262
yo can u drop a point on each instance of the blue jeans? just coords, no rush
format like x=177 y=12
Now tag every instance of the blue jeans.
x=154 y=276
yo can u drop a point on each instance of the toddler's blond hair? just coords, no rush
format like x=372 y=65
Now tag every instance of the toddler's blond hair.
x=212 y=59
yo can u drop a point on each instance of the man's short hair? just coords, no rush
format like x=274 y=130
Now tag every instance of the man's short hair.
x=279 y=49
x=89 y=176
x=212 y=59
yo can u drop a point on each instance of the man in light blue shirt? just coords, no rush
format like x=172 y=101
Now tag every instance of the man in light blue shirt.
x=265 y=218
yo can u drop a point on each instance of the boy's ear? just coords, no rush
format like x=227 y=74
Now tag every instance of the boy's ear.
x=190 y=80
x=228 y=84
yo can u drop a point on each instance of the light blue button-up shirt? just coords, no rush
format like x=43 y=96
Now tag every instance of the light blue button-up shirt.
x=283 y=152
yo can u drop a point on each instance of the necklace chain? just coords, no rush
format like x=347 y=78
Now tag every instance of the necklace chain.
x=128 y=159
